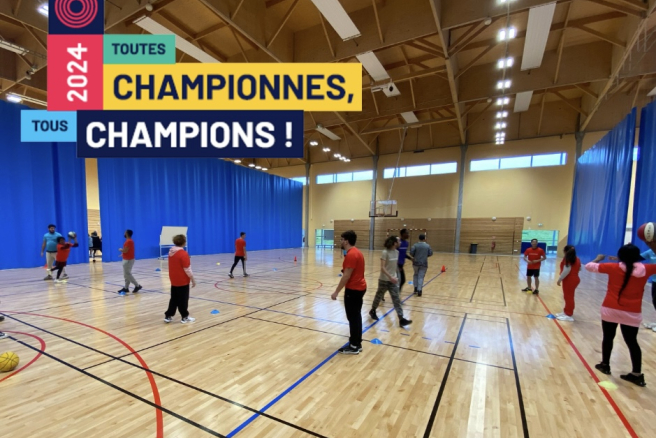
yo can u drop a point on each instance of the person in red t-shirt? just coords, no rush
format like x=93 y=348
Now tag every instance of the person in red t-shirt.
x=240 y=254
x=128 y=262
x=355 y=287
x=63 y=250
x=569 y=278
x=534 y=257
x=623 y=305
x=180 y=275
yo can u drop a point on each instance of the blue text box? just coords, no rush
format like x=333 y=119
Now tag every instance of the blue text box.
x=41 y=126
x=186 y=134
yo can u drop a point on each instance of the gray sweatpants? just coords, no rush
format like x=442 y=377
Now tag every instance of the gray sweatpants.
x=420 y=273
x=50 y=260
x=384 y=286
x=127 y=273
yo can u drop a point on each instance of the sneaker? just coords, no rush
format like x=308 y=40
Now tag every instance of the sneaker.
x=559 y=314
x=58 y=281
x=565 y=318
x=123 y=291
x=246 y=275
x=137 y=289
x=350 y=349
x=604 y=368
x=415 y=290
x=3 y=335
x=418 y=293
x=48 y=277
x=65 y=276
x=536 y=292
x=527 y=289
x=168 y=319
x=230 y=275
x=637 y=380
x=187 y=319
x=2 y=318
x=649 y=325
x=373 y=315
x=404 y=322
x=382 y=299
x=94 y=260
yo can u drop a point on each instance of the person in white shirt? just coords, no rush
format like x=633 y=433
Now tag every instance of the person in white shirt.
x=389 y=280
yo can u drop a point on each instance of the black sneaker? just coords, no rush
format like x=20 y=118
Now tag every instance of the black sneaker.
x=123 y=291
x=404 y=322
x=415 y=290
x=527 y=289
x=2 y=318
x=418 y=293
x=230 y=275
x=604 y=368
x=246 y=275
x=382 y=299
x=350 y=349
x=137 y=289
x=535 y=292
x=373 y=315
x=637 y=380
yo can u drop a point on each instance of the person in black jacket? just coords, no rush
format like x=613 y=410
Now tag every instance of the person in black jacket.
x=96 y=245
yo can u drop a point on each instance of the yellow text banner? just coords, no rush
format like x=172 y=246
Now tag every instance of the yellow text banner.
x=290 y=86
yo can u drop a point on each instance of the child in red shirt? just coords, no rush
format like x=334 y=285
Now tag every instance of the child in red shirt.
x=63 y=250
x=569 y=277
x=180 y=275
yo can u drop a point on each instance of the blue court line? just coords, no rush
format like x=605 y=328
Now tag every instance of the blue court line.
x=312 y=371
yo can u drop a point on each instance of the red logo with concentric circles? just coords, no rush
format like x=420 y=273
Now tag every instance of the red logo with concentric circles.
x=76 y=20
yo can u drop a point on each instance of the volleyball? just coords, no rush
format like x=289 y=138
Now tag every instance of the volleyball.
x=646 y=232
x=72 y=234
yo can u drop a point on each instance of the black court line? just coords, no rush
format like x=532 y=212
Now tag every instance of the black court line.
x=431 y=420
x=503 y=292
x=519 y=387
x=124 y=391
x=474 y=292
x=486 y=320
x=148 y=370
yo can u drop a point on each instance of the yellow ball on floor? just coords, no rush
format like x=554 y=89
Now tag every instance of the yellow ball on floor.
x=8 y=361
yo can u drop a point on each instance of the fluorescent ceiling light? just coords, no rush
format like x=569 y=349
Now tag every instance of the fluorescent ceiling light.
x=502 y=114
x=503 y=101
x=335 y=14
x=500 y=134
x=326 y=149
x=372 y=64
x=410 y=117
x=43 y=9
x=507 y=34
x=523 y=101
x=501 y=125
x=237 y=161
x=506 y=62
x=183 y=45
x=348 y=160
x=14 y=98
x=258 y=167
x=503 y=84
x=537 y=33
x=12 y=47
x=328 y=133
x=313 y=143
x=251 y=165
x=264 y=168
x=337 y=155
x=652 y=92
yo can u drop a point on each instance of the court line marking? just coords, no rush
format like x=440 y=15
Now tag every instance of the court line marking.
x=34 y=359
x=313 y=370
x=610 y=399
x=517 y=383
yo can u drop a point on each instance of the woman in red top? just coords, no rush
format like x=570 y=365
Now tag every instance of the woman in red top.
x=623 y=305
x=569 y=277
x=63 y=250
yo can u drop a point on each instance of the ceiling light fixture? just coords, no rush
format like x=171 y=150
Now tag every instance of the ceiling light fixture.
x=43 y=9
x=503 y=84
x=507 y=34
x=314 y=143
x=264 y=168
x=523 y=101
x=326 y=149
x=251 y=165
x=14 y=98
x=502 y=114
x=258 y=167
x=506 y=62
x=537 y=34
x=237 y=161
x=337 y=155
x=338 y=18
x=501 y=125
x=503 y=101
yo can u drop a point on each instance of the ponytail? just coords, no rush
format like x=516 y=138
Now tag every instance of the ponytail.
x=570 y=255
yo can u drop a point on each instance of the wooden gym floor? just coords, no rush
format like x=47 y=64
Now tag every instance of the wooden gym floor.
x=480 y=359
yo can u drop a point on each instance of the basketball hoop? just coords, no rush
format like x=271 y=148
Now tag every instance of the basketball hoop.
x=383 y=209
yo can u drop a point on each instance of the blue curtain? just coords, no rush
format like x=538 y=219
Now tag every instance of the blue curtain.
x=602 y=184
x=43 y=183
x=214 y=198
x=644 y=204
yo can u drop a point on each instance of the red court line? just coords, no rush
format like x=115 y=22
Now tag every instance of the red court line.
x=151 y=379
x=617 y=409
x=43 y=348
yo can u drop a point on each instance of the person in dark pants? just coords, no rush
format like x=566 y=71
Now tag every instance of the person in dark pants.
x=180 y=275
x=355 y=287
x=650 y=257
x=534 y=257
x=404 y=244
x=240 y=254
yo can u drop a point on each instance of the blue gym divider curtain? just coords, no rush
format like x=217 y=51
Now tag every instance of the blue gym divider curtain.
x=43 y=183
x=214 y=198
x=644 y=204
x=602 y=185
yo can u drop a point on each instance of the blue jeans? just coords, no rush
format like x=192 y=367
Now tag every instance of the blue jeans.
x=418 y=278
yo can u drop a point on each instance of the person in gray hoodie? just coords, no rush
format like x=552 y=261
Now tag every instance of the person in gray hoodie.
x=420 y=252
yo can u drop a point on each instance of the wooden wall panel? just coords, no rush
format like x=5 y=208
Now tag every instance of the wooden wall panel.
x=517 y=239
x=484 y=231
x=361 y=228
x=93 y=219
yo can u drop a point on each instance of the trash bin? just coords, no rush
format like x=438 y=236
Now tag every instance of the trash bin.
x=472 y=248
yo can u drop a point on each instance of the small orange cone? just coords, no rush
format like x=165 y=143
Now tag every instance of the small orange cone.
x=443 y=268
x=294 y=259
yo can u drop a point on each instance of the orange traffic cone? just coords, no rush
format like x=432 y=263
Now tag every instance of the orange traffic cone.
x=443 y=268
x=294 y=259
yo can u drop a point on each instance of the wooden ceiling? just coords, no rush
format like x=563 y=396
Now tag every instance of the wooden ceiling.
x=600 y=61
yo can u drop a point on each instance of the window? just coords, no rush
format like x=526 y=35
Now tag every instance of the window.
x=366 y=175
x=439 y=169
x=515 y=162
x=425 y=169
x=344 y=177
x=325 y=179
x=417 y=170
x=301 y=179
x=478 y=165
x=549 y=160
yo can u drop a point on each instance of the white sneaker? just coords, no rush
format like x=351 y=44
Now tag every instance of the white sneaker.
x=187 y=319
x=58 y=281
x=565 y=318
x=649 y=325
x=167 y=320
x=559 y=314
